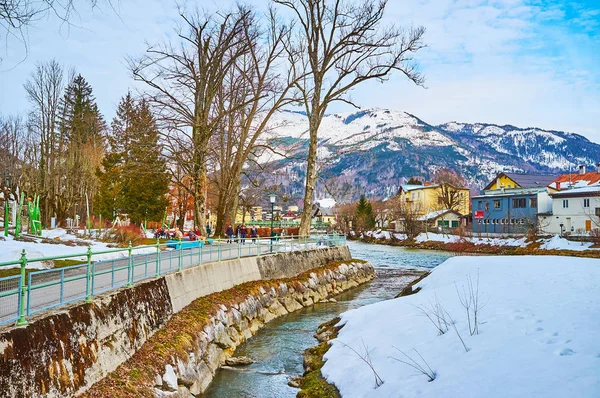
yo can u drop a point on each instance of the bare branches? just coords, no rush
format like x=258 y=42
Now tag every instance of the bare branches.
x=365 y=355
x=422 y=368
x=339 y=45
x=470 y=300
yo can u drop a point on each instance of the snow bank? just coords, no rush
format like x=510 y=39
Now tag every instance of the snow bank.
x=558 y=243
x=539 y=334
x=10 y=249
x=554 y=243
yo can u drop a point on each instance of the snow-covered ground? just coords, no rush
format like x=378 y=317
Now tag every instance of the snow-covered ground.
x=539 y=333
x=554 y=243
x=10 y=249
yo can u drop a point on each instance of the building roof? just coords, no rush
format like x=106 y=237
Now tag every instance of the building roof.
x=508 y=192
x=593 y=190
x=575 y=179
x=410 y=187
x=436 y=214
x=526 y=180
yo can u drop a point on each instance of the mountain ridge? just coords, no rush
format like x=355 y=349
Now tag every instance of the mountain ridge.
x=374 y=150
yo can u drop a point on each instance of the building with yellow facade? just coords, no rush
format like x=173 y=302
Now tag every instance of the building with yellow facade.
x=429 y=198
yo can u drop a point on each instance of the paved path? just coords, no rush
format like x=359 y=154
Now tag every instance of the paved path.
x=60 y=286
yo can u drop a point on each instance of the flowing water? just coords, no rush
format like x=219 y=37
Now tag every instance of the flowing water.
x=278 y=347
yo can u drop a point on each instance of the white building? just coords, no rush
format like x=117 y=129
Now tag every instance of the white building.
x=574 y=211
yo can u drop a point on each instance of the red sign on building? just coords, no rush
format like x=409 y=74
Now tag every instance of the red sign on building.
x=479 y=214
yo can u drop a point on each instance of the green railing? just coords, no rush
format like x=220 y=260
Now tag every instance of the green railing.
x=29 y=293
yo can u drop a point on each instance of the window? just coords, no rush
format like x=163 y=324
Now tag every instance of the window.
x=522 y=221
x=478 y=221
x=597 y=212
x=519 y=203
x=487 y=206
x=496 y=204
x=502 y=221
x=532 y=202
x=479 y=205
x=565 y=203
x=586 y=203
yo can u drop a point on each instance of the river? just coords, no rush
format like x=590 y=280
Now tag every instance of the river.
x=279 y=346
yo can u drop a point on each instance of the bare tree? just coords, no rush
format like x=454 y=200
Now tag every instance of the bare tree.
x=17 y=15
x=45 y=88
x=251 y=93
x=185 y=77
x=343 y=44
x=406 y=216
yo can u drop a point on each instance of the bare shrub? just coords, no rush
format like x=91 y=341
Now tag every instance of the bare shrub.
x=365 y=355
x=436 y=315
x=470 y=300
x=123 y=235
x=453 y=323
x=423 y=368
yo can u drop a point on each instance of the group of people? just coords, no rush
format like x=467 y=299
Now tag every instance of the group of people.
x=241 y=232
x=193 y=234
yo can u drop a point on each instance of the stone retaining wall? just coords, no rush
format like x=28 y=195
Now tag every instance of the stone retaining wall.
x=64 y=352
x=189 y=373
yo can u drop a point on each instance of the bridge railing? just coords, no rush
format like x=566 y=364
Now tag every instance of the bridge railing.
x=34 y=291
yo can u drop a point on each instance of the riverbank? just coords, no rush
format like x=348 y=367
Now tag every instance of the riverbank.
x=185 y=354
x=554 y=246
x=476 y=323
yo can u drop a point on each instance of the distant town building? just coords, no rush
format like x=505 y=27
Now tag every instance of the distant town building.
x=510 y=203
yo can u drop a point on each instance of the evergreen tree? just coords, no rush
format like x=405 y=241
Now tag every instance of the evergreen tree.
x=82 y=128
x=133 y=175
x=146 y=181
x=364 y=214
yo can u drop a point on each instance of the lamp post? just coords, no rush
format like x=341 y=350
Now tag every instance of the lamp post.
x=272 y=198
x=6 y=195
x=561 y=229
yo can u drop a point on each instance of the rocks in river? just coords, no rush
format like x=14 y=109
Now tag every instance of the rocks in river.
x=295 y=382
x=238 y=361
x=229 y=326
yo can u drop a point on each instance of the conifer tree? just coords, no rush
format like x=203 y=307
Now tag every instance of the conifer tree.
x=82 y=127
x=133 y=174
x=364 y=214
x=146 y=181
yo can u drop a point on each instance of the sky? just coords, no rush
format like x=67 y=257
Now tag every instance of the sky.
x=529 y=63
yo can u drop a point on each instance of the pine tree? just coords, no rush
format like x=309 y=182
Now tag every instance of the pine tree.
x=364 y=214
x=146 y=181
x=134 y=178
x=82 y=128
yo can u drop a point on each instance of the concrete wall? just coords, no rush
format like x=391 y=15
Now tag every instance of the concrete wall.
x=62 y=353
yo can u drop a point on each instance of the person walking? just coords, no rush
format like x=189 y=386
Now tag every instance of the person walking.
x=229 y=233
x=237 y=233
x=243 y=233
x=253 y=233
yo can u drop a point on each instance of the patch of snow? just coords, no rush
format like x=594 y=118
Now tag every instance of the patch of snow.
x=531 y=343
x=558 y=243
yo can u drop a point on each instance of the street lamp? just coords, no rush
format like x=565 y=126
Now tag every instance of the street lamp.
x=272 y=198
x=6 y=194
x=561 y=229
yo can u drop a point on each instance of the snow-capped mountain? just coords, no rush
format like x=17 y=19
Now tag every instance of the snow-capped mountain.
x=372 y=151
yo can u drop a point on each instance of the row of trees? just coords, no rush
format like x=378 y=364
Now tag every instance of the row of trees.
x=209 y=97
x=64 y=152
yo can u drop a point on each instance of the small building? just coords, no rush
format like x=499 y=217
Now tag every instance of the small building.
x=324 y=215
x=574 y=211
x=511 y=202
x=442 y=218
x=575 y=203
x=427 y=198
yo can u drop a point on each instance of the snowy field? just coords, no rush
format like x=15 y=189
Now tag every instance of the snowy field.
x=10 y=249
x=553 y=243
x=538 y=333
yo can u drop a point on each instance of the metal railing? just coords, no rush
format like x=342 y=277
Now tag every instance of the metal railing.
x=29 y=293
